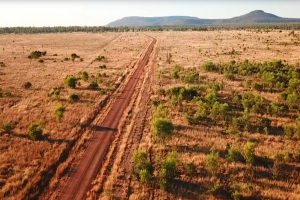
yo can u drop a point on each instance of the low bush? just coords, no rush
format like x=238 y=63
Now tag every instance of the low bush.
x=74 y=98
x=210 y=67
x=249 y=153
x=233 y=155
x=168 y=170
x=93 y=86
x=27 y=85
x=142 y=168
x=59 y=112
x=212 y=161
x=71 y=81
x=7 y=127
x=35 y=131
x=37 y=54
x=190 y=169
x=162 y=128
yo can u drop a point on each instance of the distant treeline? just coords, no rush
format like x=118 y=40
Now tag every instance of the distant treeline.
x=95 y=29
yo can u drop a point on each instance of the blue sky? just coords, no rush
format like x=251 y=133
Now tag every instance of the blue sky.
x=101 y=12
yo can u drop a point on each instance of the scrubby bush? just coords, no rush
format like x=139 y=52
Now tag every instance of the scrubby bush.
x=102 y=66
x=190 y=169
x=7 y=127
x=74 y=56
x=71 y=81
x=55 y=92
x=212 y=161
x=142 y=167
x=84 y=76
x=93 y=86
x=219 y=111
x=74 y=98
x=249 y=153
x=191 y=76
x=100 y=58
x=168 y=170
x=35 y=131
x=59 y=112
x=162 y=128
x=289 y=130
x=37 y=54
x=210 y=67
x=278 y=164
x=176 y=71
x=27 y=85
x=233 y=155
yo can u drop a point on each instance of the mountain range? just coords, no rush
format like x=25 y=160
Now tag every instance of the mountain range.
x=254 y=17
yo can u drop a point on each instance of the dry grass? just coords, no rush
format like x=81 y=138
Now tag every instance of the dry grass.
x=22 y=160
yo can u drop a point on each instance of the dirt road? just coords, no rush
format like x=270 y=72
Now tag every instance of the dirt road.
x=88 y=167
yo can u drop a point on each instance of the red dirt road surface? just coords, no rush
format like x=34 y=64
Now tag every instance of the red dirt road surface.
x=79 y=184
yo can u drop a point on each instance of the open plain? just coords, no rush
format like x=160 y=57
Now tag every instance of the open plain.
x=213 y=141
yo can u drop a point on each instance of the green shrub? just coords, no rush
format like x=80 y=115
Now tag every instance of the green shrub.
x=55 y=92
x=74 y=98
x=7 y=127
x=84 y=76
x=176 y=71
x=289 y=130
x=249 y=153
x=191 y=76
x=168 y=170
x=71 y=81
x=190 y=169
x=93 y=86
x=162 y=128
x=212 y=161
x=27 y=85
x=142 y=167
x=219 y=111
x=210 y=67
x=233 y=155
x=59 y=112
x=35 y=131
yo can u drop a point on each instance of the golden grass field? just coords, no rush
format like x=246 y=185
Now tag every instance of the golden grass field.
x=23 y=160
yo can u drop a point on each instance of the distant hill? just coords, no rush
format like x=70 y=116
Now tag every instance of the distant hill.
x=254 y=17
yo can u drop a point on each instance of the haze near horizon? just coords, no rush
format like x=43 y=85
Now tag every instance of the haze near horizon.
x=99 y=13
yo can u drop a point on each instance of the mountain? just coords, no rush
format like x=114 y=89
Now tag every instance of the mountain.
x=254 y=17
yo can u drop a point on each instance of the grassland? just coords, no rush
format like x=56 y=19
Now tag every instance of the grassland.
x=233 y=134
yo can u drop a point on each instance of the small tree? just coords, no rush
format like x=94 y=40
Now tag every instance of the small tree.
x=162 y=128
x=35 y=131
x=71 y=81
x=59 y=112
x=249 y=153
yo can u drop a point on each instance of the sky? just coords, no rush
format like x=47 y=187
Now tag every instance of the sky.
x=101 y=12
